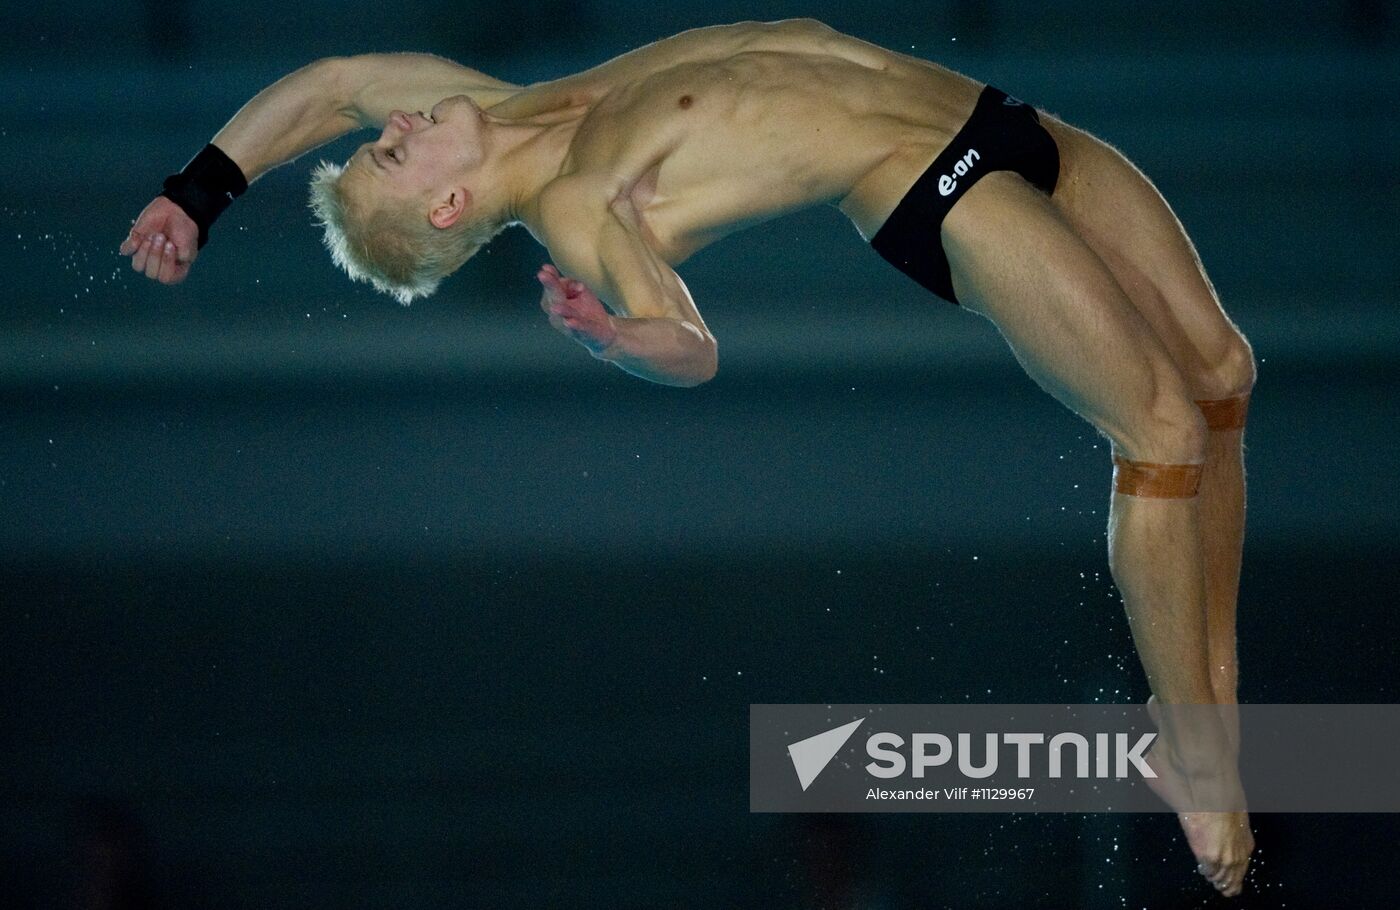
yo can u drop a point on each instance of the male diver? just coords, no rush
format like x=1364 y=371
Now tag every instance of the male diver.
x=625 y=170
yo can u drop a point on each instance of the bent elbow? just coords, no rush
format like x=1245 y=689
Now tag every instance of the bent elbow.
x=335 y=77
x=332 y=68
x=706 y=368
x=694 y=380
x=805 y=26
x=710 y=361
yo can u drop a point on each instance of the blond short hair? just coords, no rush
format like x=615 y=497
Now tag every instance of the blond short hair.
x=392 y=246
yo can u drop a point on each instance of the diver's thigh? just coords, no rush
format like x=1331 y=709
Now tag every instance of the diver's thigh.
x=1017 y=261
x=1123 y=217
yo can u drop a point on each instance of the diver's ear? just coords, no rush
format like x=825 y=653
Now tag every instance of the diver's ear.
x=447 y=211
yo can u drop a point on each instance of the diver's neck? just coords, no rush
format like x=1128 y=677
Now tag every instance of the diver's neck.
x=531 y=158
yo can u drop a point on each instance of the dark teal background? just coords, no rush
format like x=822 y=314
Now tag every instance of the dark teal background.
x=311 y=600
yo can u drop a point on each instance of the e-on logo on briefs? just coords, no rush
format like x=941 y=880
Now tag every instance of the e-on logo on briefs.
x=946 y=183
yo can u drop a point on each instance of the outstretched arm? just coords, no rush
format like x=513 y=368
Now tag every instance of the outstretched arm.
x=299 y=112
x=657 y=333
x=333 y=96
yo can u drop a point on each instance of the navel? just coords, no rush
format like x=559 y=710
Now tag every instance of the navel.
x=686 y=101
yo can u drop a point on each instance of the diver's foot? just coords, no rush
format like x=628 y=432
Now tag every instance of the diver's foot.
x=1220 y=841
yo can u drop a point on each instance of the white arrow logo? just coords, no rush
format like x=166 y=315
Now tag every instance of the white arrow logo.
x=809 y=756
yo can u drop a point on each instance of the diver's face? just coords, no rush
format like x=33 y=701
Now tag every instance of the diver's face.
x=423 y=152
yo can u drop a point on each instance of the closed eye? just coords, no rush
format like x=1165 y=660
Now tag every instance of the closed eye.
x=369 y=153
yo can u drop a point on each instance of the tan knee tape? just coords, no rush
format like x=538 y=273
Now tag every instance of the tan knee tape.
x=1225 y=413
x=1157 y=481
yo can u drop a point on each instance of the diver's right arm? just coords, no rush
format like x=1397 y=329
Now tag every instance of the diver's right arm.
x=333 y=96
x=299 y=112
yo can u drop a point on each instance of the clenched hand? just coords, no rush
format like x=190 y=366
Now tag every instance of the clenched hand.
x=163 y=243
x=576 y=311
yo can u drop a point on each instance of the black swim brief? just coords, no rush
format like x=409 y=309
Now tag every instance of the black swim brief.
x=1003 y=134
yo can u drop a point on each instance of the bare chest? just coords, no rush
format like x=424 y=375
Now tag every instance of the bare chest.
x=696 y=152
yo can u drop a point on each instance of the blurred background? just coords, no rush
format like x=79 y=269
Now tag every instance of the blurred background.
x=312 y=600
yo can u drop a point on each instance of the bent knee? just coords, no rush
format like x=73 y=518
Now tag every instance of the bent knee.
x=1172 y=430
x=1229 y=372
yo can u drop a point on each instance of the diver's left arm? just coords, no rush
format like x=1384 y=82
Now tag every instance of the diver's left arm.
x=657 y=333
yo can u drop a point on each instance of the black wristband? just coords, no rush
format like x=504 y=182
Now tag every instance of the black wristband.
x=206 y=186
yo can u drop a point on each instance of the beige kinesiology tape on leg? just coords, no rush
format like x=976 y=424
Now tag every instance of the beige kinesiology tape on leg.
x=1225 y=413
x=1156 y=481
x=1178 y=481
